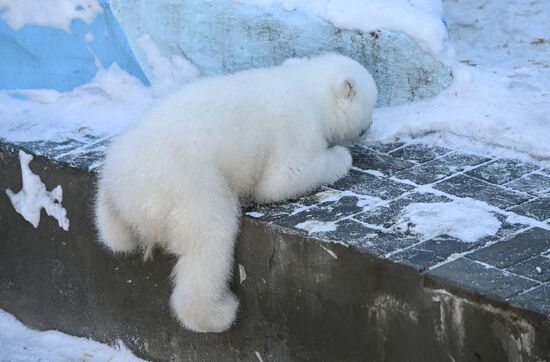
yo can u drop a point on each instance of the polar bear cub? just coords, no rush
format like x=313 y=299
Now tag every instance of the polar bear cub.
x=177 y=177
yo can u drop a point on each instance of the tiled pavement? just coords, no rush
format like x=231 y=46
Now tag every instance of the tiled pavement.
x=85 y=152
x=361 y=211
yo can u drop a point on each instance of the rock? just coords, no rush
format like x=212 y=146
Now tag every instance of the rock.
x=221 y=36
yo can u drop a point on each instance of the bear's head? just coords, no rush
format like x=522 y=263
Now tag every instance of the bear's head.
x=351 y=99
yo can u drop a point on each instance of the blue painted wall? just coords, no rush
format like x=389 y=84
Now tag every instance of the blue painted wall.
x=42 y=57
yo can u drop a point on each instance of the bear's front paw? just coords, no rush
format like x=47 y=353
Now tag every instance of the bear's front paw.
x=205 y=316
x=341 y=162
x=344 y=157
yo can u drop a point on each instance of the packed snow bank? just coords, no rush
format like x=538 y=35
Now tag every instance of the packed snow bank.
x=501 y=92
x=21 y=344
x=465 y=219
x=34 y=197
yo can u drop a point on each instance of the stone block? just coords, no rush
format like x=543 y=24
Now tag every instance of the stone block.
x=502 y=171
x=440 y=168
x=482 y=279
x=522 y=246
x=223 y=36
x=465 y=186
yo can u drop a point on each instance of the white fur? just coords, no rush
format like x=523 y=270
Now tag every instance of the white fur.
x=178 y=176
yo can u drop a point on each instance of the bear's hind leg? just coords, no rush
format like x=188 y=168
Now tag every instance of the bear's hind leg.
x=203 y=229
x=113 y=232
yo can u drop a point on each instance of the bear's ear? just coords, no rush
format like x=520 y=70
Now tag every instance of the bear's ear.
x=346 y=88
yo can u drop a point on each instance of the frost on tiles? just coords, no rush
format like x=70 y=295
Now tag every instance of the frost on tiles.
x=464 y=219
x=33 y=197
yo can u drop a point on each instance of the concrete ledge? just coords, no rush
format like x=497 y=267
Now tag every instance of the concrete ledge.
x=301 y=300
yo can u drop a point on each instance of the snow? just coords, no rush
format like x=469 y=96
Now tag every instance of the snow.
x=165 y=73
x=465 y=219
x=21 y=344
x=48 y=13
x=501 y=92
x=104 y=107
x=330 y=252
x=316 y=226
x=255 y=214
x=242 y=274
x=34 y=197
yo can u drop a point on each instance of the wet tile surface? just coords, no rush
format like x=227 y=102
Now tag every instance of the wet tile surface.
x=432 y=252
x=370 y=185
x=519 y=248
x=537 y=268
x=85 y=153
x=465 y=186
x=419 y=153
x=440 y=168
x=537 y=299
x=534 y=184
x=502 y=171
x=482 y=278
x=537 y=209
x=370 y=160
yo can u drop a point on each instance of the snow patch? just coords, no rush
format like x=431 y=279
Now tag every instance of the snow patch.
x=49 y=13
x=255 y=214
x=258 y=356
x=513 y=218
x=165 y=74
x=330 y=252
x=103 y=107
x=464 y=219
x=374 y=173
x=331 y=195
x=34 y=197
x=315 y=226
x=367 y=202
x=242 y=273
x=21 y=344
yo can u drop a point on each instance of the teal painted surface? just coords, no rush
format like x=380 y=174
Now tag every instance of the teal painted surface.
x=42 y=57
